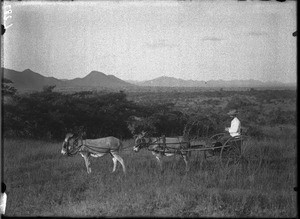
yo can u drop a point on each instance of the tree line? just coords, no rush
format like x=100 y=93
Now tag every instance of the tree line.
x=50 y=115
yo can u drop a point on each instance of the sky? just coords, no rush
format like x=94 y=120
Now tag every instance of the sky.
x=204 y=40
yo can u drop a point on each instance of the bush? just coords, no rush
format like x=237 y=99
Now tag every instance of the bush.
x=52 y=114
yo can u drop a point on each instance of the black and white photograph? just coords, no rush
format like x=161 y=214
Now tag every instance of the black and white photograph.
x=162 y=108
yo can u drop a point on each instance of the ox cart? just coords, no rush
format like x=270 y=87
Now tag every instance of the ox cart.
x=235 y=151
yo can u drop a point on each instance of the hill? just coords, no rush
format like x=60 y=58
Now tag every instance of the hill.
x=98 y=79
x=28 y=80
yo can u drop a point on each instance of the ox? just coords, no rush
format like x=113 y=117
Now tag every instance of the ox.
x=163 y=146
x=74 y=144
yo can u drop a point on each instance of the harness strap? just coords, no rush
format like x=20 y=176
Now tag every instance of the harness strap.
x=75 y=150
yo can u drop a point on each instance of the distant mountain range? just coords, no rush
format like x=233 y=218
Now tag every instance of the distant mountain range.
x=31 y=81
x=28 y=80
x=175 y=82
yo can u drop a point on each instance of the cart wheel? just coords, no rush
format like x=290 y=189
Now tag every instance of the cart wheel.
x=231 y=152
x=251 y=158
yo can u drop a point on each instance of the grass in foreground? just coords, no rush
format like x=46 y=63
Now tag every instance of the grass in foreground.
x=42 y=182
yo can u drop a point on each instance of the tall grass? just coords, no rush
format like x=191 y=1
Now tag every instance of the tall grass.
x=42 y=182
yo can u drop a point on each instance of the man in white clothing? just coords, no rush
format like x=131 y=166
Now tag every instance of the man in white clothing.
x=233 y=131
x=235 y=128
x=3 y=198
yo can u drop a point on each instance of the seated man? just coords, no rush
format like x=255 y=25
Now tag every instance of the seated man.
x=235 y=128
x=233 y=131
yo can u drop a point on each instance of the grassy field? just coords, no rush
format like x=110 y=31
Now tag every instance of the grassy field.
x=42 y=182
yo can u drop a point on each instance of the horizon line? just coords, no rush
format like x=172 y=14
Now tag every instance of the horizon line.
x=156 y=78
